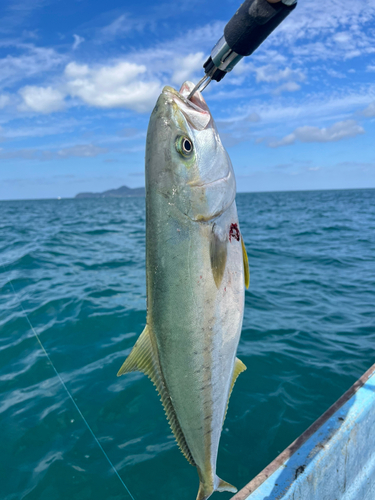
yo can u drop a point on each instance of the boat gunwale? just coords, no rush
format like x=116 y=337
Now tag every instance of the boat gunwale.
x=258 y=480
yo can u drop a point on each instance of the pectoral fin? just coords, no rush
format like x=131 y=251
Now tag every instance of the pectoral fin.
x=218 y=256
x=144 y=357
x=245 y=264
x=239 y=367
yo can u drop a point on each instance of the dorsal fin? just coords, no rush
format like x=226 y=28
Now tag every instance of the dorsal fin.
x=245 y=264
x=239 y=367
x=144 y=357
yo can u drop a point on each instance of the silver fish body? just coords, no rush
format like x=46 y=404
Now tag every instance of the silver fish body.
x=196 y=269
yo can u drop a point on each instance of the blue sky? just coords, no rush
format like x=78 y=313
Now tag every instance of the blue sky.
x=79 y=78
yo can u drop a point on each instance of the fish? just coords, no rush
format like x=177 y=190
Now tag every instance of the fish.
x=196 y=272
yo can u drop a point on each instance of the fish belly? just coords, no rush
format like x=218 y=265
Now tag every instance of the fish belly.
x=196 y=322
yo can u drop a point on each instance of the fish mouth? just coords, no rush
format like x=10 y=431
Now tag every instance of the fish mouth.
x=195 y=110
x=196 y=102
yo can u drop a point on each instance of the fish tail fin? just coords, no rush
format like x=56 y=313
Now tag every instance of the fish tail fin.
x=206 y=489
x=224 y=486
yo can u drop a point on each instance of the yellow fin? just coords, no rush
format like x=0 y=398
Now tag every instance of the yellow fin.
x=224 y=486
x=206 y=489
x=245 y=264
x=218 y=255
x=144 y=357
x=239 y=367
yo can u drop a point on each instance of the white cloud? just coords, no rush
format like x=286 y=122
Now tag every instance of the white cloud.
x=337 y=132
x=187 y=66
x=81 y=151
x=43 y=126
x=269 y=73
x=330 y=18
x=22 y=154
x=33 y=61
x=165 y=55
x=333 y=73
x=4 y=100
x=119 y=85
x=77 y=41
x=370 y=67
x=74 y=70
x=287 y=87
x=120 y=25
x=343 y=37
x=285 y=141
x=335 y=30
x=41 y=99
x=315 y=107
x=253 y=117
x=369 y=112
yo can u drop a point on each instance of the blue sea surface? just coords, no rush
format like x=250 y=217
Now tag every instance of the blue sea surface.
x=78 y=268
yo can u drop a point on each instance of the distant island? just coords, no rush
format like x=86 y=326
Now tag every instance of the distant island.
x=121 y=192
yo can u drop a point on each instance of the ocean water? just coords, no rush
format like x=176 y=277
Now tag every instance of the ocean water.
x=78 y=268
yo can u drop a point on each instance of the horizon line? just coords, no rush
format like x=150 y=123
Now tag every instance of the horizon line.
x=238 y=192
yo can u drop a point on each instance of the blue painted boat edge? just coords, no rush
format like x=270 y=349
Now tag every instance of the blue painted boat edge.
x=316 y=435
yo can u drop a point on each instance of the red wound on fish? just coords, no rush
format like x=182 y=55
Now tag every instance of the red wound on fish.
x=234 y=232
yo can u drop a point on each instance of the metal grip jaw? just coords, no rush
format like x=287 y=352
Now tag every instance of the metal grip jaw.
x=222 y=60
x=253 y=22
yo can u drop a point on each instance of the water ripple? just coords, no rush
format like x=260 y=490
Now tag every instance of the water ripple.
x=79 y=268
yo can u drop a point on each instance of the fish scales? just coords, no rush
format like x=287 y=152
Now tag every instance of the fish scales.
x=195 y=275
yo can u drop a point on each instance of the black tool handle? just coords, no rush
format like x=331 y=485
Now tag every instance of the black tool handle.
x=253 y=22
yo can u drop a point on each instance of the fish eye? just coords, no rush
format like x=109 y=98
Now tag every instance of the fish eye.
x=187 y=145
x=184 y=146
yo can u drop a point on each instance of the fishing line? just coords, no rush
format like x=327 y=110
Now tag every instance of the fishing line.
x=66 y=389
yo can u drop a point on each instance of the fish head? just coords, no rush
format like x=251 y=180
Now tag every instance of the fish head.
x=185 y=159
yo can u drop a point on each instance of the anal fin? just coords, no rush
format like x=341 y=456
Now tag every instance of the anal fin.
x=239 y=367
x=144 y=357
